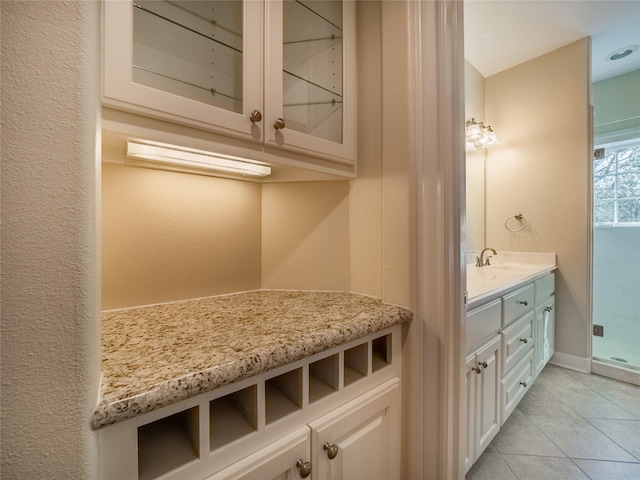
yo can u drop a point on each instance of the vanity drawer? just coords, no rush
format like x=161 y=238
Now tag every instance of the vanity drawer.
x=517 y=303
x=482 y=322
x=515 y=385
x=517 y=341
x=545 y=287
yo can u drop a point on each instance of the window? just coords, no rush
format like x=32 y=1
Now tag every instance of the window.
x=616 y=184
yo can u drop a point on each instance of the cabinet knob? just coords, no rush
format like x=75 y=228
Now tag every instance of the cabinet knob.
x=524 y=384
x=304 y=468
x=476 y=369
x=332 y=450
x=523 y=302
x=483 y=364
x=524 y=340
x=279 y=124
x=255 y=116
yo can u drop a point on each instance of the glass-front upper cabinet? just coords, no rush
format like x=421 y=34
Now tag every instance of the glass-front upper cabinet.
x=276 y=72
x=311 y=76
x=194 y=62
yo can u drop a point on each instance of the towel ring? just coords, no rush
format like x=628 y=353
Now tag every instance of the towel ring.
x=518 y=217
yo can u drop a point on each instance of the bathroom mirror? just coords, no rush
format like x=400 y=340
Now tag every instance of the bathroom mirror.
x=475 y=163
x=474 y=231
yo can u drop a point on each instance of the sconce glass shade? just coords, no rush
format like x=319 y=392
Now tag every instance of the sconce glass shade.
x=479 y=135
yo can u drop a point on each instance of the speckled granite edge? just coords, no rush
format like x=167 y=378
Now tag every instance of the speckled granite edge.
x=260 y=331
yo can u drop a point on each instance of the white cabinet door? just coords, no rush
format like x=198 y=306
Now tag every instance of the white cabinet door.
x=366 y=433
x=197 y=63
x=470 y=421
x=278 y=461
x=310 y=78
x=549 y=329
x=488 y=384
x=544 y=325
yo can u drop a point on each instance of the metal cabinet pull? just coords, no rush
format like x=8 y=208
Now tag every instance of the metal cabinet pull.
x=523 y=302
x=524 y=384
x=524 y=340
x=304 y=468
x=279 y=124
x=483 y=364
x=476 y=369
x=255 y=116
x=332 y=450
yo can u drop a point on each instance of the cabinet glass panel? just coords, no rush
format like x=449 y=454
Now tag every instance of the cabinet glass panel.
x=312 y=68
x=190 y=48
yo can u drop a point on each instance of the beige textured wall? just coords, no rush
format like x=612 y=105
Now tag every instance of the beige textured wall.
x=171 y=236
x=50 y=365
x=540 y=111
x=305 y=236
x=474 y=108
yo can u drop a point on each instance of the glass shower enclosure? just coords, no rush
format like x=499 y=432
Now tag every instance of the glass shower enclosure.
x=616 y=255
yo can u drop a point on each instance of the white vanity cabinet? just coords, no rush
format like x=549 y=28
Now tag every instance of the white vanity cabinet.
x=276 y=73
x=483 y=398
x=509 y=339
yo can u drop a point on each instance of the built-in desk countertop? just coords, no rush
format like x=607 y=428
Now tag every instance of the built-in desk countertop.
x=153 y=356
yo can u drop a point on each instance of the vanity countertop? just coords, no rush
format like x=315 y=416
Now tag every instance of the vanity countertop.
x=156 y=355
x=508 y=271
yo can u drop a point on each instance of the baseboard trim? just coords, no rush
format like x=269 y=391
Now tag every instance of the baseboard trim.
x=571 y=362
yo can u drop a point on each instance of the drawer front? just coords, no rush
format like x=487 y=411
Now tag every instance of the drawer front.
x=515 y=385
x=517 y=303
x=545 y=287
x=517 y=341
x=482 y=323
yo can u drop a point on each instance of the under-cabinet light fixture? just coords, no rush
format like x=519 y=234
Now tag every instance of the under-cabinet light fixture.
x=157 y=155
x=479 y=135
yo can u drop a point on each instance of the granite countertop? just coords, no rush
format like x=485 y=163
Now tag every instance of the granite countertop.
x=156 y=355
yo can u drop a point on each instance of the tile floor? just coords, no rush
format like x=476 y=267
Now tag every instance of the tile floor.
x=570 y=425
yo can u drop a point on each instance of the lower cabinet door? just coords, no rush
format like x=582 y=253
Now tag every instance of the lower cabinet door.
x=488 y=394
x=470 y=421
x=278 y=461
x=361 y=439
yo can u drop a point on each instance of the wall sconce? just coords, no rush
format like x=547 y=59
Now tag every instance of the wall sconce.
x=170 y=157
x=479 y=135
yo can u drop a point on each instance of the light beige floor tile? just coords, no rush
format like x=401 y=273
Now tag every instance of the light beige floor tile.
x=629 y=400
x=625 y=433
x=577 y=438
x=590 y=404
x=599 y=470
x=526 y=467
x=540 y=401
x=490 y=466
x=519 y=436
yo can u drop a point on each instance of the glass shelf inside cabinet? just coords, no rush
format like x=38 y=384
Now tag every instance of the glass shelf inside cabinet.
x=190 y=48
x=312 y=68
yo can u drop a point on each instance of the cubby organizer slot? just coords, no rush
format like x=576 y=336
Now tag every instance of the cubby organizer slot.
x=323 y=378
x=355 y=364
x=168 y=443
x=283 y=395
x=233 y=416
x=380 y=352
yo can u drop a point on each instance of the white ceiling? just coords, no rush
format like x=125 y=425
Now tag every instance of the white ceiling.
x=500 y=34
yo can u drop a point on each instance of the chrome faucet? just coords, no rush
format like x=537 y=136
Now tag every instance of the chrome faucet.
x=480 y=261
